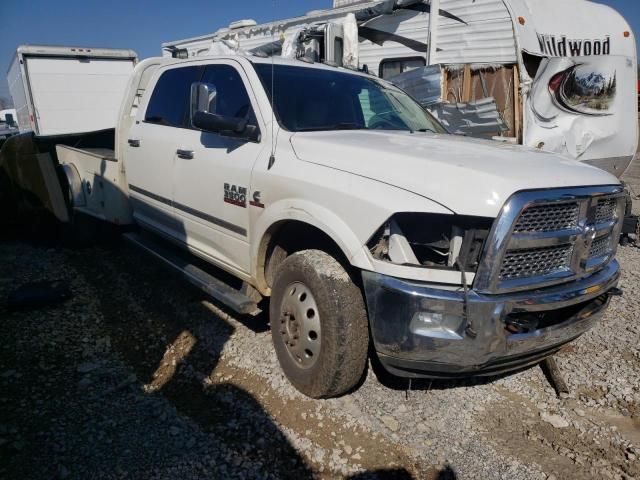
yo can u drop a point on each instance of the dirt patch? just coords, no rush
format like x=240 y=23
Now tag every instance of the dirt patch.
x=567 y=451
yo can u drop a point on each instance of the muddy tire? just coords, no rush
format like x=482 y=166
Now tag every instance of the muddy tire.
x=318 y=324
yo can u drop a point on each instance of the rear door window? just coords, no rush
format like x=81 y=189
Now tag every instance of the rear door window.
x=169 y=103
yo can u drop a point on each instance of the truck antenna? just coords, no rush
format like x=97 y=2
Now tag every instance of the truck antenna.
x=272 y=157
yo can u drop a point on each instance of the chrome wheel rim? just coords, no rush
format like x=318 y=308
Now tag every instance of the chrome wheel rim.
x=300 y=325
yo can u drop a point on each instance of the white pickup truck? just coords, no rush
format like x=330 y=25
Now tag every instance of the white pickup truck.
x=336 y=195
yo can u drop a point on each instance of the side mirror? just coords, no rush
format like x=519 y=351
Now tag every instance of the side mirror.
x=204 y=116
x=210 y=122
x=203 y=98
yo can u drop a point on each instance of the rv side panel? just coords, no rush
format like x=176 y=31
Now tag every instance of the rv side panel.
x=481 y=32
x=403 y=35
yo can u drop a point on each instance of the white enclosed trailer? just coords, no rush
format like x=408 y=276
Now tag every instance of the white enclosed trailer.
x=7 y=115
x=561 y=75
x=67 y=90
x=62 y=96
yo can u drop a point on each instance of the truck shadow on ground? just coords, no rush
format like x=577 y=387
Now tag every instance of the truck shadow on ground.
x=174 y=349
x=174 y=343
x=171 y=338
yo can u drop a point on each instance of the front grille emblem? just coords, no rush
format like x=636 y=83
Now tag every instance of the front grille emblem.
x=588 y=236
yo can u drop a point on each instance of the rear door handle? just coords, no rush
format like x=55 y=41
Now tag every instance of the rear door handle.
x=186 y=154
x=133 y=142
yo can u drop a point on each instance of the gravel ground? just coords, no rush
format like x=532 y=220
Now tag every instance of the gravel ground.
x=140 y=376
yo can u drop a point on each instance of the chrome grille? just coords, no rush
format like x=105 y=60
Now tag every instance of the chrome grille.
x=606 y=210
x=600 y=247
x=546 y=237
x=548 y=218
x=533 y=262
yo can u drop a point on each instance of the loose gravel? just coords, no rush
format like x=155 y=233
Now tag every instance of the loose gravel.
x=141 y=376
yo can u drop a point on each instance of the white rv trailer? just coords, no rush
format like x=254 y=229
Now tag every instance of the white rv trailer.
x=67 y=90
x=562 y=75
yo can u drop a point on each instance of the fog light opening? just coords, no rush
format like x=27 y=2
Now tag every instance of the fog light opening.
x=437 y=325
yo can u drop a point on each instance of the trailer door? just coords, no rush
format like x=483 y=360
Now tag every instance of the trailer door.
x=72 y=95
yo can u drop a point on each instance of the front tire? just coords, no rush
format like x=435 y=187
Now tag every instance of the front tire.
x=318 y=324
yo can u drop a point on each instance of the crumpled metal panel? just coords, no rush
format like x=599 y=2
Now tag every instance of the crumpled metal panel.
x=423 y=84
x=475 y=119
x=385 y=7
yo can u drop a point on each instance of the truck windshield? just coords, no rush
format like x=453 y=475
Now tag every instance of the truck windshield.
x=313 y=99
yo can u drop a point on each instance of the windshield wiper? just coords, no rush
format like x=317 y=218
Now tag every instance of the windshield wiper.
x=337 y=126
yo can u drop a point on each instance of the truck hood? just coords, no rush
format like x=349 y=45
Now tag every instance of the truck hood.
x=468 y=176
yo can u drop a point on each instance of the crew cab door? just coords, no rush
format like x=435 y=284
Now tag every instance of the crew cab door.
x=212 y=174
x=151 y=149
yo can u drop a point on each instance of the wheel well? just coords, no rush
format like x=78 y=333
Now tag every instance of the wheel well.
x=291 y=236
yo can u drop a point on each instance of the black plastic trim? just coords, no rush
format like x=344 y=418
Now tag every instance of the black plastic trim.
x=196 y=213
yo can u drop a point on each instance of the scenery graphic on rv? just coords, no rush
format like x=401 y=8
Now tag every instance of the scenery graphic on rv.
x=312 y=99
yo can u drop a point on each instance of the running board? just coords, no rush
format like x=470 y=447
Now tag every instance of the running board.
x=216 y=288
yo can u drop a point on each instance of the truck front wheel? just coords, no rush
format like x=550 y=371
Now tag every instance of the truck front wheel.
x=318 y=324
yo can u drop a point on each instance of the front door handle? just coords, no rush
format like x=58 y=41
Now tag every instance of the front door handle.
x=186 y=154
x=134 y=142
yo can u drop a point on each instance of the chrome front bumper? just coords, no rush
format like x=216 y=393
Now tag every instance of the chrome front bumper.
x=421 y=331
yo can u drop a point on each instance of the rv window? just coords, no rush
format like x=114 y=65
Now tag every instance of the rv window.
x=169 y=103
x=395 y=66
x=232 y=99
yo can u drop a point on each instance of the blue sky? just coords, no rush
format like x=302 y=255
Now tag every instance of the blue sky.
x=144 y=25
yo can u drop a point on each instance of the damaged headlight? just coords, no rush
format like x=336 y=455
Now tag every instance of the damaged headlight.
x=431 y=240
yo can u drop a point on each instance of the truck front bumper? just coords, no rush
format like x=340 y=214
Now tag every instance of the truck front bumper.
x=421 y=331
